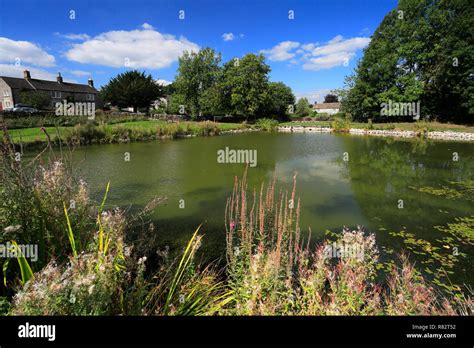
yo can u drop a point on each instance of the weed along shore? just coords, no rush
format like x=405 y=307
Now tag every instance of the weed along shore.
x=88 y=133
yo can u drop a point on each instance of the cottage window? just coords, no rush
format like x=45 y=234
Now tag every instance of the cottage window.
x=56 y=94
x=90 y=97
x=5 y=93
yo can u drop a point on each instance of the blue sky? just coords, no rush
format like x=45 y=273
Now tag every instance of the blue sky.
x=312 y=52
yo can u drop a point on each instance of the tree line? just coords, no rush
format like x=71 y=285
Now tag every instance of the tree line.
x=421 y=52
x=205 y=87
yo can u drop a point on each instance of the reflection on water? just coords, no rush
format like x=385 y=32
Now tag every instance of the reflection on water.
x=365 y=190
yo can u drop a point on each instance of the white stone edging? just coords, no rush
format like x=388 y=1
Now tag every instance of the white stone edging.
x=444 y=135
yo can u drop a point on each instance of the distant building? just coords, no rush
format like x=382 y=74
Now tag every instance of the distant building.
x=12 y=87
x=327 y=108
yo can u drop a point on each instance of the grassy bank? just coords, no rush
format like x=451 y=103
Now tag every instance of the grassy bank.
x=121 y=132
x=401 y=126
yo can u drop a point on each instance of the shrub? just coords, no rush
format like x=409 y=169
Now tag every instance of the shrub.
x=340 y=125
x=266 y=124
x=323 y=117
x=85 y=134
x=90 y=284
x=206 y=128
x=422 y=128
x=370 y=125
x=31 y=202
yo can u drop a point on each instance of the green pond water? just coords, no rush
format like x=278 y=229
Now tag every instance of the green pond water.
x=365 y=190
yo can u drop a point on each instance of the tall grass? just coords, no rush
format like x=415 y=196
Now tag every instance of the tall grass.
x=31 y=202
x=91 y=133
x=272 y=271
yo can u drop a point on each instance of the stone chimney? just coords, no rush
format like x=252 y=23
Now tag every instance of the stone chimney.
x=26 y=74
x=90 y=82
x=59 y=78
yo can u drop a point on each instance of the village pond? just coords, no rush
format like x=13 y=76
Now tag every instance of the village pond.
x=406 y=191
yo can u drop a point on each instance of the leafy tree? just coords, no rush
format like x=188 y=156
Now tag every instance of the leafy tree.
x=169 y=89
x=280 y=97
x=245 y=86
x=421 y=51
x=331 y=98
x=131 y=89
x=37 y=99
x=197 y=72
x=176 y=105
x=303 y=108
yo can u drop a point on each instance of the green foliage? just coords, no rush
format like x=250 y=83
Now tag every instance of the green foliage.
x=340 y=125
x=331 y=98
x=38 y=99
x=240 y=87
x=4 y=305
x=29 y=206
x=280 y=98
x=198 y=72
x=131 y=89
x=176 y=105
x=90 y=284
x=303 y=108
x=426 y=55
x=422 y=128
x=267 y=124
x=245 y=85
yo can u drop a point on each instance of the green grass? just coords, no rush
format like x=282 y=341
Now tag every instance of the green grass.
x=35 y=134
x=403 y=126
x=29 y=135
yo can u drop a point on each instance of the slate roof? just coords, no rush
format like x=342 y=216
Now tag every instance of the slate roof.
x=45 y=85
x=327 y=106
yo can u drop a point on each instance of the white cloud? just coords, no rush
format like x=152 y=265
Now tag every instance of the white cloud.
x=79 y=73
x=163 y=82
x=231 y=36
x=335 y=39
x=314 y=96
x=308 y=47
x=24 y=52
x=228 y=36
x=338 y=45
x=78 y=37
x=147 y=26
x=281 y=51
x=12 y=70
x=335 y=52
x=145 y=48
x=328 y=61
